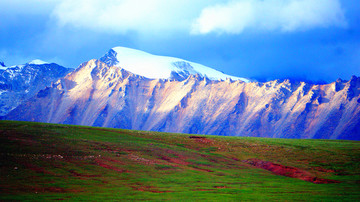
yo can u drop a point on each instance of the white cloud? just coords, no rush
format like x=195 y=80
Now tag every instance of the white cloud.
x=121 y=16
x=230 y=18
x=157 y=17
x=284 y=15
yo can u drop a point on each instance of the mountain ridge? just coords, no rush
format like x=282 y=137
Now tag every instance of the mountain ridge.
x=98 y=95
x=21 y=82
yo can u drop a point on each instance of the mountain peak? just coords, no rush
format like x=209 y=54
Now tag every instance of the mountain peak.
x=37 y=62
x=159 y=67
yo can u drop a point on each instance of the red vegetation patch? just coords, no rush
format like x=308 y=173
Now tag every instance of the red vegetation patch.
x=21 y=140
x=37 y=168
x=141 y=159
x=288 y=171
x=203 y=189
x=180 y=161
x=104 y=147
x=82 y=175
x=205 y=170
x=324 y=170
x=103 y=164
x=35 y=189
x=49 y=189
x=114 y=161
x=220 y=187
x=149 y=189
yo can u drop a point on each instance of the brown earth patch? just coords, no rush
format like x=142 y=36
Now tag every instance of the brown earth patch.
x=196 y=137
x=288 y=171
x=201 y=139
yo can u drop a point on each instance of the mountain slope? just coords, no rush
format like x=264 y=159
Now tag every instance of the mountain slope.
x=46 y=162
x=159 y=67
x=98 y=95
x=21 y=82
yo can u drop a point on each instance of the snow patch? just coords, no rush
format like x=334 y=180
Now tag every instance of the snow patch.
x=37 y=62
x=161 y=67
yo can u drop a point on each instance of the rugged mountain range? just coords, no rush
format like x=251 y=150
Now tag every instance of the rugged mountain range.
x=21 y=82
x=102 y=93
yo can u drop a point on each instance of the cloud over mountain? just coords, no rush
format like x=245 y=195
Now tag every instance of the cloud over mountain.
x=234 y=17
x=200 y=17
x=121 y=16
x=260 y=39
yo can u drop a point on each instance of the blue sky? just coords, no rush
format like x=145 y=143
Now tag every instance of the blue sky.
x=263 y=39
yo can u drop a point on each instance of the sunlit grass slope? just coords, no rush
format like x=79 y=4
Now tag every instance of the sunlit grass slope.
x=61 y=162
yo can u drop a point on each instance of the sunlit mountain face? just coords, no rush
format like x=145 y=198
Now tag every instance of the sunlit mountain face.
x=108 y=93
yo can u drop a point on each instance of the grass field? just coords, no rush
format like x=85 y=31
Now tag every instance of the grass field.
x=61 y=162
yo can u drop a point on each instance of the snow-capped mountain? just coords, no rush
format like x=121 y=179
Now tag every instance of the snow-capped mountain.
x=97 y=94
x=160 y=67
x=21 y=82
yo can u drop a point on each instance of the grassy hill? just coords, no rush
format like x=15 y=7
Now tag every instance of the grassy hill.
x=61 y=162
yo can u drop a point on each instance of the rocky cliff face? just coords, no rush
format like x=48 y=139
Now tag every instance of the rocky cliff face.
x=19 y=83
x=98 y=95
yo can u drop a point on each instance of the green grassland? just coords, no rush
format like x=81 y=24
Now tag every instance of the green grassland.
x=61 y=162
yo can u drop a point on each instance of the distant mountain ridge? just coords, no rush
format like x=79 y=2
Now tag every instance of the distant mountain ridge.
x=21 y=82
x=100 y=93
